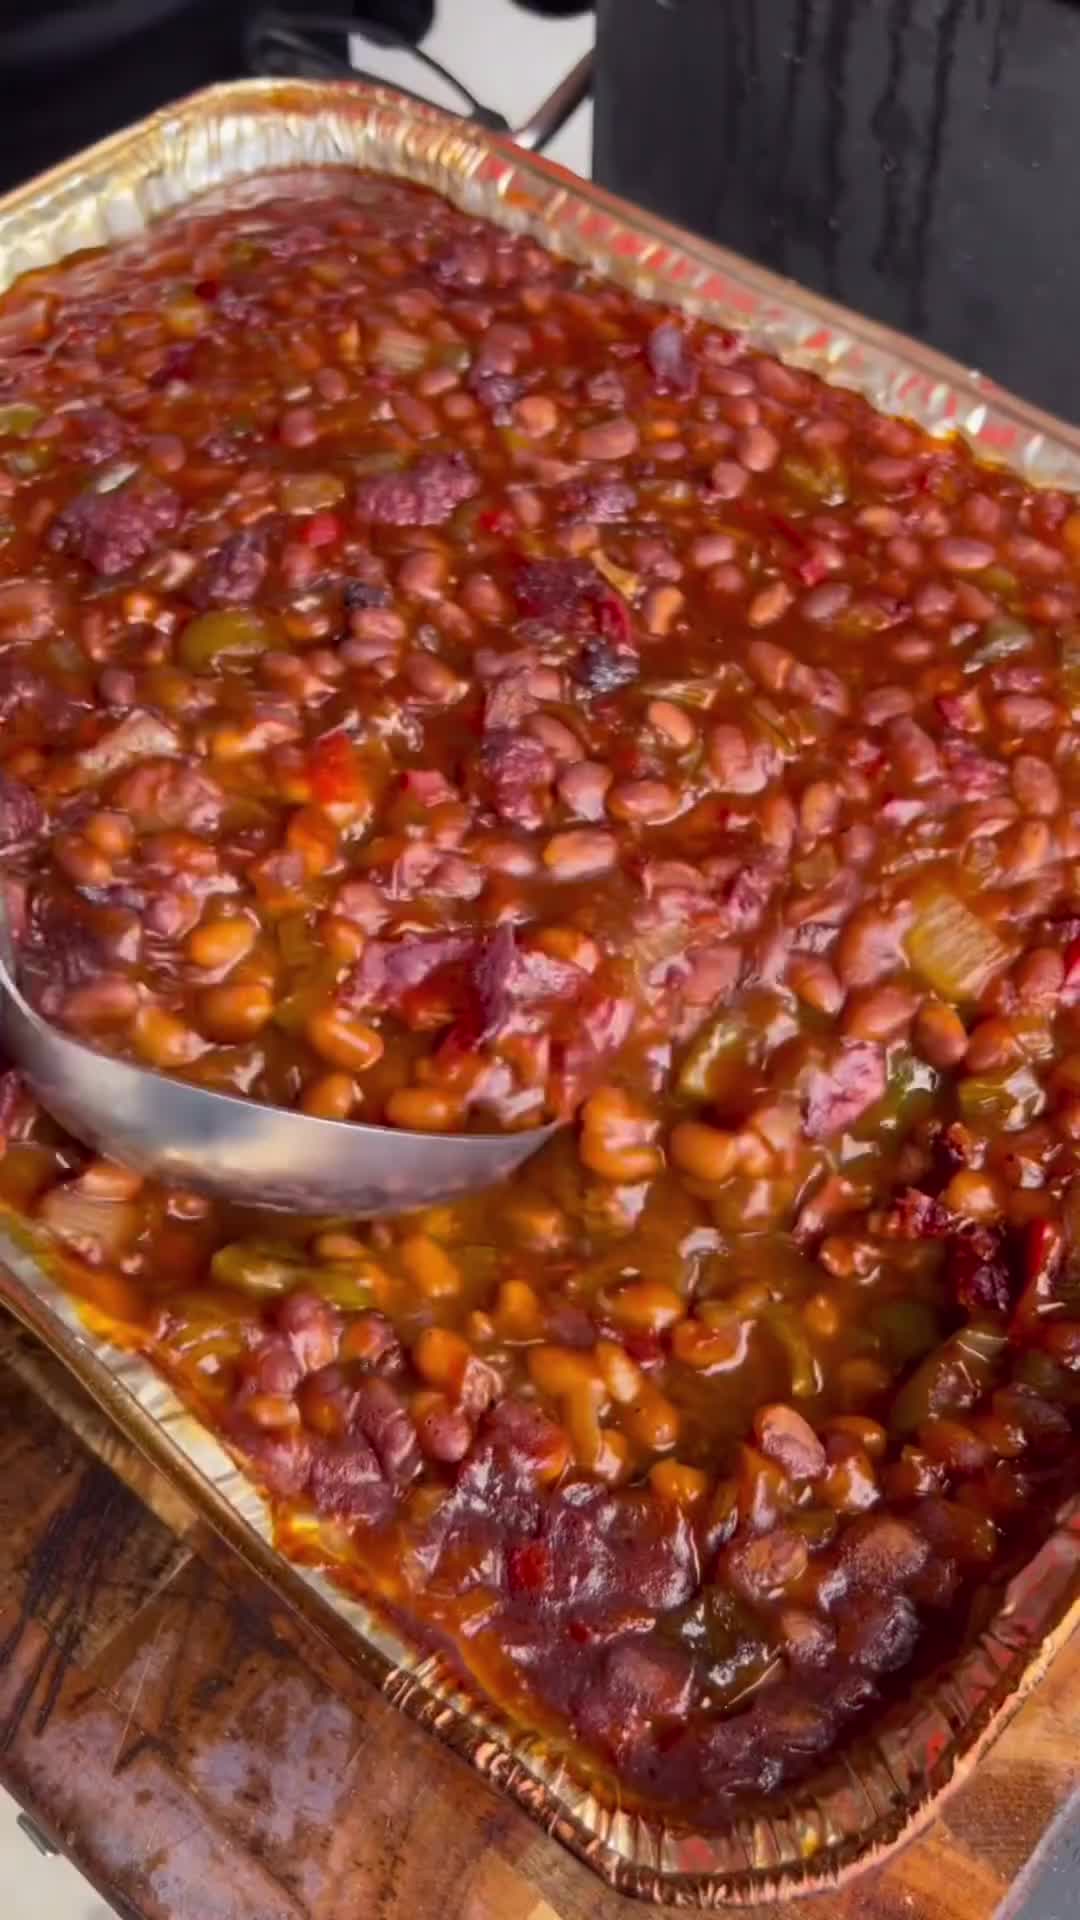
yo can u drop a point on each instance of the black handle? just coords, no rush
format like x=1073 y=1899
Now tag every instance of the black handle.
x=281 y=43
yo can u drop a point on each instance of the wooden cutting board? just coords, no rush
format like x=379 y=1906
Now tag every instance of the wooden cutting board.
x=200 y=1755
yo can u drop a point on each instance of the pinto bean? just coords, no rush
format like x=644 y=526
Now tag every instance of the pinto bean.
x=578 y=851
x=770 y=604
x=608 y=440
x=940 y=1035
x=757 y=448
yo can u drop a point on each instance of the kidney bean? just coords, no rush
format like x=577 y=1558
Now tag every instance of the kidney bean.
x=673 y=723
x=890 y=472
x=423 y=575
x=107 y=1002
x=424 y=1110
x=849 y=1485
x=561 y=742
x=823 y=604
x=885 y=704
x=770 y=604
x=785 y=1436
x=579 y=851
x=737 y=381
x=1025 y=713
x=868 y=948
x=537 y=415
x=981 y=515
x=163 y=1040
x=711 y=550
x=416 y=416
x=757 y=448
x=643 y=801
x=707 y=1153
x=940 y=1035
x=761 y=1570
x=728 y=479
x=1039 y=976
x=584 y=788
x=433 y=680
x=913 y=753
x=819 y=807
x=235 y=1013
x=612 y=439
x=882 y=1552
x=1024 y=849
x=958 y=554
x=342 y=1040
x=483 y=597
x=332 y=1096
x=934 y=603
x=298 y=426
x=661 y=608
x=443 y=1431
x=880 y=1013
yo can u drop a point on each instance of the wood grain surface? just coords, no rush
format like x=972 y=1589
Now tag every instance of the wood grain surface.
x=201 y=1755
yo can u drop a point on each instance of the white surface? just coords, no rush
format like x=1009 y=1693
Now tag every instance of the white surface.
x=36 y=1887
x=511 y=61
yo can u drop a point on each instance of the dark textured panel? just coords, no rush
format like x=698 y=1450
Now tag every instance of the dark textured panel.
x=912 y=158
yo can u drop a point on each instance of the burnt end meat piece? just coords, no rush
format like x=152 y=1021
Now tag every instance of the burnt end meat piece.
x=516 y=771
x=99 y=433
x=604 y=501
x=31 y=703
x=602 y=668
x=345 y=1479
x=22 y=816
x=504 y=977
x=420 y=496
x=495 y=391
x=980 y=1272
x=389 y=969
x=361 y=595
x=164 y=793
x=571 y=595
x=837 y=1095
x=667 y=351
x=233 y=576
x=562 y=591
x=379 y=1413
x=111 y=532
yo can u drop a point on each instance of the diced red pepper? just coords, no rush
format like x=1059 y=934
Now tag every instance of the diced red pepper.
x=1044 y=1248
x=497 y=520
x=528 y=1568
x=334 y=770
x=322 y=530
x=811 y=571
x=613 y=617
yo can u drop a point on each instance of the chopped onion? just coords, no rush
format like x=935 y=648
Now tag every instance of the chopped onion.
x=399 y=350
x=955 y=952
x=94 y=1226
x=137 y=735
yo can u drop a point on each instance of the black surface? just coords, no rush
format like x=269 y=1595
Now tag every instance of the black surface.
x=917 y=159
x=126 y=57
x=52 y=108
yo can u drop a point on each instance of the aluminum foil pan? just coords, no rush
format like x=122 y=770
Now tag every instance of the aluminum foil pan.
x=886 y=1783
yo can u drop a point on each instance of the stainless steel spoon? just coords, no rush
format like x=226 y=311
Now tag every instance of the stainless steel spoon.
x=219 y=1144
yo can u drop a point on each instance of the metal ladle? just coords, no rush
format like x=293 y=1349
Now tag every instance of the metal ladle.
x=219 y=1144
